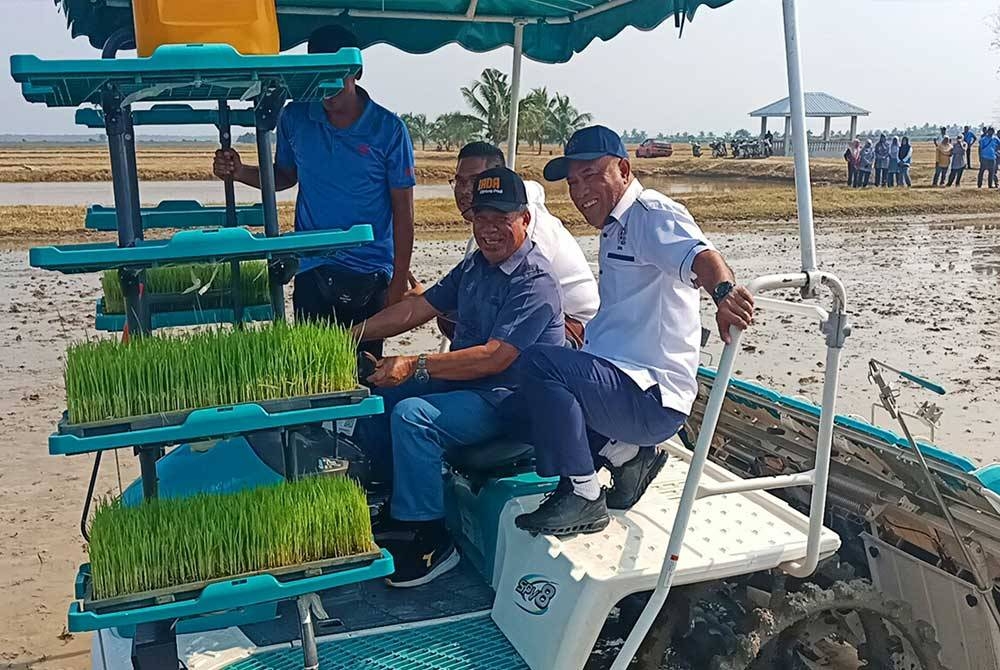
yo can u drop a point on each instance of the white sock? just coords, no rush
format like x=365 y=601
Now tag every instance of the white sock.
x=619 y=453
x=587 y=487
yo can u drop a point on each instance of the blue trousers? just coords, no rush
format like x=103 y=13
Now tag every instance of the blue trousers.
x=572 y=403
x=420 y=422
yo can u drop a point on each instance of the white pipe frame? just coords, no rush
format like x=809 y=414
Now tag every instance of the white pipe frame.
x=835 y=328
x=515 y=93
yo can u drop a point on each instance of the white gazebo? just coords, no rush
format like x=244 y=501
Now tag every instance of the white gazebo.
x=818 y=105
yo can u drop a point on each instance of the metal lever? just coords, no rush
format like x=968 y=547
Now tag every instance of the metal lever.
x=310 y=606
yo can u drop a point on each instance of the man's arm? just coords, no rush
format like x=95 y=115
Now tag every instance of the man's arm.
x=485 y=360
x=396 y=319
x=402 y=232
x=228 y=164
x=736 y=309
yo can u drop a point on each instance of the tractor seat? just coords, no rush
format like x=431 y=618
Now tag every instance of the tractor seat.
x=500 y=457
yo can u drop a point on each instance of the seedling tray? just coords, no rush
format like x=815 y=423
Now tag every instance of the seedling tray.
x=232 y=593
x=166 y=114
x=177 y=214
x=188 y=73
x=211 y=422
x=190 y=246
x=115 y=323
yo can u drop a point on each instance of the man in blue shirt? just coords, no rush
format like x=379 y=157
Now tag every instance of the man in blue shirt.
x=988 y=157
x=504 y=299
x=969 y=138
x=353 y=162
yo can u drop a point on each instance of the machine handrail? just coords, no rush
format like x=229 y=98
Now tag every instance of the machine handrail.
x=835 y=328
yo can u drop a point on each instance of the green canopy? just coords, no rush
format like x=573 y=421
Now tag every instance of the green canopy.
x=553 y=29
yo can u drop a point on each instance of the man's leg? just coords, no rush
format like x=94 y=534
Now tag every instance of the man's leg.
x=341 y=296
x=422 y=428
x=569 y=397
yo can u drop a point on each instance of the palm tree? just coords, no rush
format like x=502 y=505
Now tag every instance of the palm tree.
x=489 y=100
x=533 y=117
x=420 y=128
x=565 y=119
x=455 y=129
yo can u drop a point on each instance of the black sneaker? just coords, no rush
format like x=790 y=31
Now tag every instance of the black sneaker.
x=428 y=555
x=562 y=512
x=630 y=480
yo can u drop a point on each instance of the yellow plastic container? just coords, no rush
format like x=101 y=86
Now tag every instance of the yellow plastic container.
x=250 y=26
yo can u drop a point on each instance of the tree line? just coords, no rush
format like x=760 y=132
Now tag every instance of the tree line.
x=542 y=117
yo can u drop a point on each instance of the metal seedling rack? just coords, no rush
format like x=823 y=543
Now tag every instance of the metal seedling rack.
x=194 y=73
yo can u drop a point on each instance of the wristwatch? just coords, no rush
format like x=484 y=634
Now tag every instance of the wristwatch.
x=421 y=374
x=721 y=290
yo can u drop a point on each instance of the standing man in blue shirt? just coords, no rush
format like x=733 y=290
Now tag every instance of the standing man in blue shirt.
x=969 y=138
x=988 y=157
x=353 y=162
x=504 y=299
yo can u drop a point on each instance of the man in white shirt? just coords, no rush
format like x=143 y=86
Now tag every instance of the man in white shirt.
x=633 y=384
x=579 y=288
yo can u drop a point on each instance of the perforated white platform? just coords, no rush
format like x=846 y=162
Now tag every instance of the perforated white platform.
x=553 y=595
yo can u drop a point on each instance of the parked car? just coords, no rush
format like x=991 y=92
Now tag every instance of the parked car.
x=654 y=149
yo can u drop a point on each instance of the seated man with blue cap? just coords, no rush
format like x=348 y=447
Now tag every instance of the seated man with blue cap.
x=634 y=382
x=504 y=298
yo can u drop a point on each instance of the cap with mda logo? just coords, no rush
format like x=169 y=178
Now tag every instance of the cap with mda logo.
x=499 y=188
x=586 y=145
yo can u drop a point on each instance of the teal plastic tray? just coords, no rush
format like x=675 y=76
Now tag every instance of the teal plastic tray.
x=169 y=114
x=205 y=424
x=223 y=596
x=188 y=73
x=190 y=246
x=115 y=323
x=177 y=214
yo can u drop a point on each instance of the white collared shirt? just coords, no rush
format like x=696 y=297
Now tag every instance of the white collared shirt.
x=569 y=264
x=648 y=324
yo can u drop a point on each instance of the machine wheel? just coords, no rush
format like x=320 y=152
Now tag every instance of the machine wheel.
x=848 y=625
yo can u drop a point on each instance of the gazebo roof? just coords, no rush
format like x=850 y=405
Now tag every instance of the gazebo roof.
x=817 y=104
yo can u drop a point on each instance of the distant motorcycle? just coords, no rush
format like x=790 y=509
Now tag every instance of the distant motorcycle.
x=696 y=149
x=719 y=149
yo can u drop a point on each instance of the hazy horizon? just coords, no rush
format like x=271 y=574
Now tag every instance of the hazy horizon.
x=904 y=60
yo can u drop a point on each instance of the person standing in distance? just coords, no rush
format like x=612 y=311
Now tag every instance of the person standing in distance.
x=353 y=162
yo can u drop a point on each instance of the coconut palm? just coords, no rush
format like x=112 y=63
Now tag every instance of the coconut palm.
x=454 y=129
x=533 y=117
x=565 y=119
x=489 y=100
x=420 y=128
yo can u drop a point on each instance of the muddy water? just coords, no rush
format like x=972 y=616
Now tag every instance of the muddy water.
x=922 y=297
x=153 y=192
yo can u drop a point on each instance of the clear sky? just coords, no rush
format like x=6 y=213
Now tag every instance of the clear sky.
x=908 y=61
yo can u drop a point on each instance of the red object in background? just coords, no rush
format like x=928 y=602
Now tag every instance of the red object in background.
x=654 y=149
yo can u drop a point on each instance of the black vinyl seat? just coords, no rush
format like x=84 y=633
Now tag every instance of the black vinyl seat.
x=500 y=457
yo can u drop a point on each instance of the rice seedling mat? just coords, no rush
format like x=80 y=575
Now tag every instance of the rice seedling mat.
x=115 y=323
x=223 y=595
x=184 y=72
x=212 y=422
x=176 y=214
x=211 y=245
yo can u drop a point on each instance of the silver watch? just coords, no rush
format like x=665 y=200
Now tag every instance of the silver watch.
x=421 y=374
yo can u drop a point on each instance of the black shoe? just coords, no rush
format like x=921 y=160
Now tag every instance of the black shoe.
x=630 y=480
x=562 y=512
x=428 y=555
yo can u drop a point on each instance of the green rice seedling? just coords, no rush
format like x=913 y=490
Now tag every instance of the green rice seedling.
x=163 y=543
x=176 y=279
x=109 y=380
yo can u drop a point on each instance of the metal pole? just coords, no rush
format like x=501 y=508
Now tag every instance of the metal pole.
x=797 y=101
x=147 y=472
x=267 y=111
x=226 y=142
x=515 y=94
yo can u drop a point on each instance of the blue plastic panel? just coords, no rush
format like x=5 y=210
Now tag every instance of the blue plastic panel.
x=474 y=643
x=186 y=73
x=167 y=114
x=189 y=246
x=213 y=422
x=178 y=214
x=228 y=595
x=115 y=323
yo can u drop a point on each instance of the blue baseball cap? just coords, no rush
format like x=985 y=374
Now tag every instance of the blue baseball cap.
x=585 y=145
